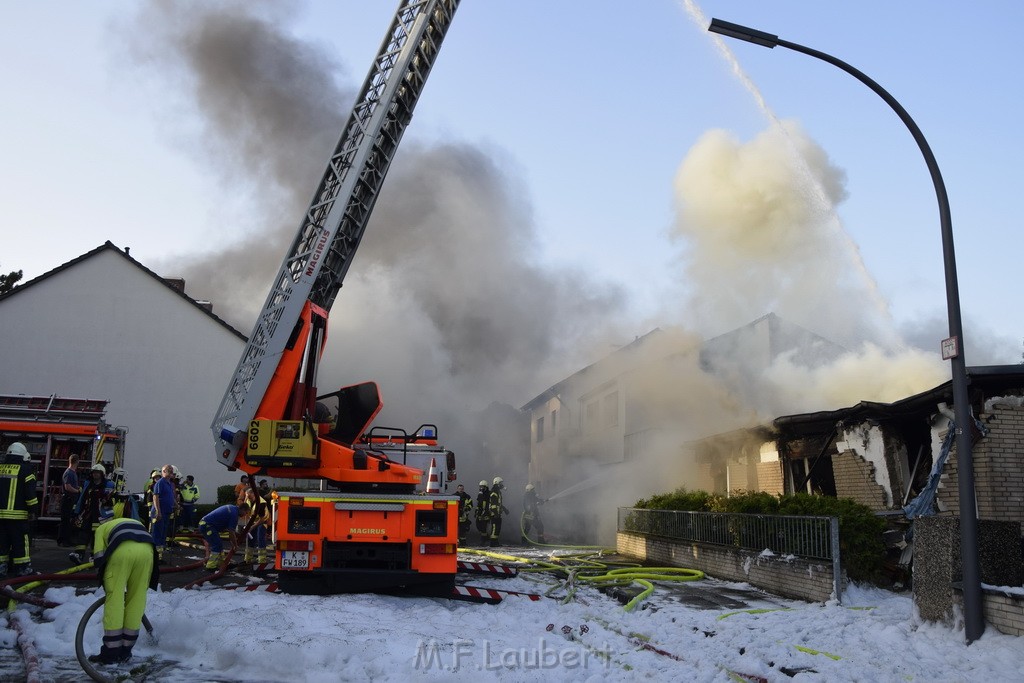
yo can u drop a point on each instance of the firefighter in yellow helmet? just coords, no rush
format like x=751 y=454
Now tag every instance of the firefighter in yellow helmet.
x=496 y=509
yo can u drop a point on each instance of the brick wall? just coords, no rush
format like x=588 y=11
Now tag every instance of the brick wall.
x=1003 y=610
x=855 y=478
x=769 y=477
x=998 y=468
x=795 y=578
x=738 y=477
x=999 y=465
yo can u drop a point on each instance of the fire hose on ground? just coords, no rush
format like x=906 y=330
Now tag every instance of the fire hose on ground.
x=593 y=569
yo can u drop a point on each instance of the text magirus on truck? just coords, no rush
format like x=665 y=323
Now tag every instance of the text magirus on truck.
x=367 y=528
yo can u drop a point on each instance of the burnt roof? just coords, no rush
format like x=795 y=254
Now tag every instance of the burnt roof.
x=983 y=382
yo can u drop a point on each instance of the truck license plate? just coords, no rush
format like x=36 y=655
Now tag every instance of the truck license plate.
x=294 y=559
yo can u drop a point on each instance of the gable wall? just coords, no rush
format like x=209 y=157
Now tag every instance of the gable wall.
x=104 y=328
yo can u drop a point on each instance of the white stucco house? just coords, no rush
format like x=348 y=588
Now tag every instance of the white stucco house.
x=103 y=326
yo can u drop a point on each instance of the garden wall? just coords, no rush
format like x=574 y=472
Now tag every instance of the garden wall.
x=791 y=577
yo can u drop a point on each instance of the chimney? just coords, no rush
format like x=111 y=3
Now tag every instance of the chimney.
x=175 y=283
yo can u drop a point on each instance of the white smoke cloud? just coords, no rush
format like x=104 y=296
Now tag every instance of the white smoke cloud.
x=868 y=374
x=761 y=234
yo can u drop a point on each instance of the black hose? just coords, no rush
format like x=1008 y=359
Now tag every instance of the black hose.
x=83 y=659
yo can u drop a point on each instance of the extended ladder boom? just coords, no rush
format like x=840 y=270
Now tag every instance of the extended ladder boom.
x=334 y=223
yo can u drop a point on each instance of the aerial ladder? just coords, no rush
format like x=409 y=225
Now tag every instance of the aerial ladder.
x=367 y=529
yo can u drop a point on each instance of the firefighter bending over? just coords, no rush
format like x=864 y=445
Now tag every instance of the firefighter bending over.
x=223 y=519
x=126 y=562
x=496 y=510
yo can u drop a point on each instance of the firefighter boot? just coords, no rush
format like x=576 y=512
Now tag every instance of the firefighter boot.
x=107 y=655
x=127 y=643
x=214 y=561
x=248 y=556
x=261 y=556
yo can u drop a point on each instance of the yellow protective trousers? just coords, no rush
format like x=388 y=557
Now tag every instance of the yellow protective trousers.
x=126 y=581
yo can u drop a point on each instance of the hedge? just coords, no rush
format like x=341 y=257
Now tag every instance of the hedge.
x=861 y=546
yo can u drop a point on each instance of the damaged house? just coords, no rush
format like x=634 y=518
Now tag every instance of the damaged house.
x=628 y=424
x=900 y=460
x=881 y=454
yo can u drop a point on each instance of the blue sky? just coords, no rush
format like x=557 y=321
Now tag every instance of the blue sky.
x=591 y=108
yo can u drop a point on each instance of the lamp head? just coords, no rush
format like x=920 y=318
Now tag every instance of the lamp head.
x=727 y=28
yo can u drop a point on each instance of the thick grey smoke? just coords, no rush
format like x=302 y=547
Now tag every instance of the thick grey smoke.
x=260 y=111
x=446 y=306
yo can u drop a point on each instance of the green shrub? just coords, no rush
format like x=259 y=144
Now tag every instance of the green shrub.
x=752 y=503
x=681 y=499
x=861 y=547
x=225 y=494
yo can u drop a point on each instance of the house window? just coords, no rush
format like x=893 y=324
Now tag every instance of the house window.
x=554 y=415
x=592 y=412
x=540 y=429
x=611 y=409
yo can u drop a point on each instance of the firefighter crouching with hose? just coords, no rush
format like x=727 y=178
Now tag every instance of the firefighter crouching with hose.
x=224 y=518
x=496 y=510
x=126 y=564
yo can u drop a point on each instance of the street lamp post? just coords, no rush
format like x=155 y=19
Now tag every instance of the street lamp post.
x=953 y=348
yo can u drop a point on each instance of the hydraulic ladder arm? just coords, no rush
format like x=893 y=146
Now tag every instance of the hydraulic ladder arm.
x=312 y=273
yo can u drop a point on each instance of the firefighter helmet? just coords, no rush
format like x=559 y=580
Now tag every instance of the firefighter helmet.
x=98 y=467
x=18 y=448
x=483 y=483
x=529 y=487
x=498 y=481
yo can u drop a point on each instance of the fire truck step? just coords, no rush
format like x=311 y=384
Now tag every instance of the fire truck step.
x=499 y=570
x=487 y=595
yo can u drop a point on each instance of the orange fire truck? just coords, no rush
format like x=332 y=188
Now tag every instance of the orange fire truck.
x=367 y=527
x=52 y=429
